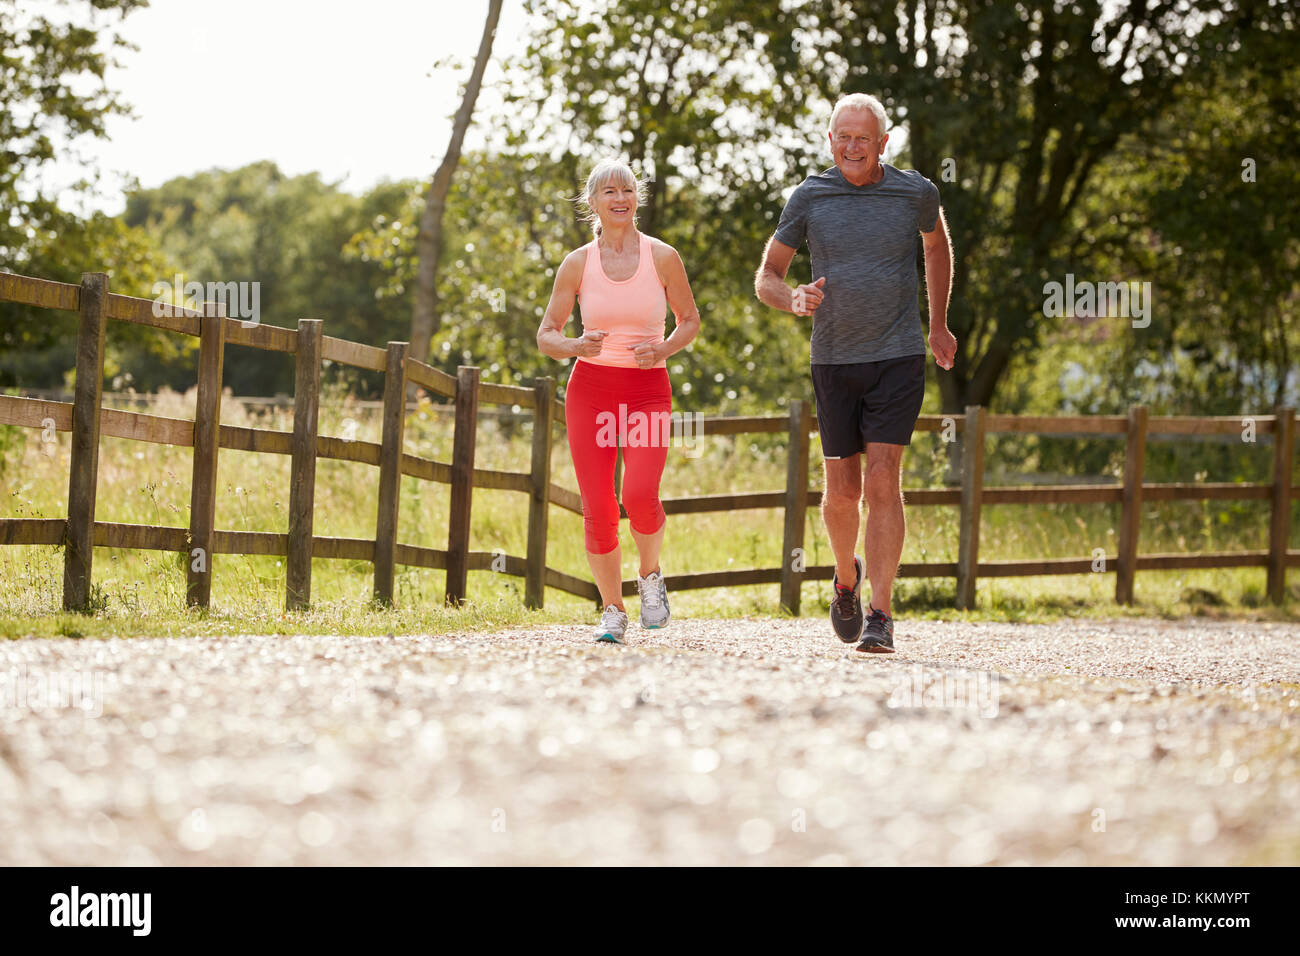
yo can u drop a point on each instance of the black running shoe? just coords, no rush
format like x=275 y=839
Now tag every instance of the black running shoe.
x=846 y=607
x=878 y=638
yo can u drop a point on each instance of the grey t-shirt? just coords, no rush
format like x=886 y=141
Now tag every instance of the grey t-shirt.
x=863 y=240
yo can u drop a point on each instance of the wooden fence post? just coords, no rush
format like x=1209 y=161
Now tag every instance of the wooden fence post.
x=83 y=475
x=539 y=503
x=1280 y=526
x=302 y=480
x=207 y=441
x=462 y=482
x=390 y=471
x=972 y=490
x=1130 y=518
x=618 y=475
x=796 y=506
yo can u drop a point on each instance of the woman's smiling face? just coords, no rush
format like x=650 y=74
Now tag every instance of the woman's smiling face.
x=614 y=200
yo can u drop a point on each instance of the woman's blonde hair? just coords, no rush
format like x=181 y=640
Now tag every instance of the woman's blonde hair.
x=602 y=173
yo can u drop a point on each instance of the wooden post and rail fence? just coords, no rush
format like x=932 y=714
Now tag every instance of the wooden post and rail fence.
x=79 y=533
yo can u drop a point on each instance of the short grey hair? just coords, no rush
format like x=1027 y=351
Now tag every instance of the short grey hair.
x=602 y=173
x=859 y=101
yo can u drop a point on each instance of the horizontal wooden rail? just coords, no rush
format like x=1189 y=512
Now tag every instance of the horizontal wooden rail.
x=126 y=308
x=494 y=394
x=1051 y=424
x=566 y=499
x=268 y=441
x=932 y=569
x=489 y=561
x=420 y=557
x=352 y=353
x=713 y=579
x=113 y=534
x=743 y=424
x=250 y=543
x=705 y=503
x=571 y=584
x=503 y=480
x=42 y=293
x=1204 y=559
x=34 y=412
x=1210 y=424
x=435 y=380
x=426 y=468
x=347 y=449
x=271 y=338
x=32 y=530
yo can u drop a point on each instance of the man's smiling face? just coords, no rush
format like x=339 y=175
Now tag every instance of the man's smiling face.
x=856 y=145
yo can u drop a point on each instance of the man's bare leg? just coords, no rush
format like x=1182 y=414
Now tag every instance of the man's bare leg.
x=886 y=526
x=842 y=512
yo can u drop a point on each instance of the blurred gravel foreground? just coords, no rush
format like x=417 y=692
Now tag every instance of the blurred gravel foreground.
x=737 y=742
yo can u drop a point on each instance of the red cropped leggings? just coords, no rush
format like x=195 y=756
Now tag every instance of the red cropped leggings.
x=607 y=406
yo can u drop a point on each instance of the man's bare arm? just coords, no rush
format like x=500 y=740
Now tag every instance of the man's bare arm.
x=938 y=286
x=772 y=289
x=938 y=270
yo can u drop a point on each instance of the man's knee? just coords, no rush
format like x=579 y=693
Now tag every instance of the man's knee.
x=841 y=497
x=883 y=484
x=843 y=487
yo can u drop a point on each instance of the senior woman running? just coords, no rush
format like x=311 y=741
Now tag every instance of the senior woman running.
x=618 y=391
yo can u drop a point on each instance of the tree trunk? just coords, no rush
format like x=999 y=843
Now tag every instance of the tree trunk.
x=425 y=319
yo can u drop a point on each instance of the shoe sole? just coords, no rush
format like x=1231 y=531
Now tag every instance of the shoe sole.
x=609 y=639
x=875 y=649
x=848 y=640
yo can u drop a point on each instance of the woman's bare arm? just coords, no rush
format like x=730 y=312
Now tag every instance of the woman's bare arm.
x=551 y=339
x=677 y=287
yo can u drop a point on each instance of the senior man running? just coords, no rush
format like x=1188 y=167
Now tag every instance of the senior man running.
x=860 y=219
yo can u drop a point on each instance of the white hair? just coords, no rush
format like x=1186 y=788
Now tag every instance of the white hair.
x=859 y=101
x=602 y=173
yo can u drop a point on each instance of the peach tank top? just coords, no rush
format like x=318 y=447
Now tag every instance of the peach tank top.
x=632 y=311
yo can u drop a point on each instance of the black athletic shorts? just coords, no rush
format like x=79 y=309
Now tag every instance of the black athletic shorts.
x=866 y=402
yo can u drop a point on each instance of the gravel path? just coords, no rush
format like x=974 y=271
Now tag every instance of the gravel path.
x=763 y=741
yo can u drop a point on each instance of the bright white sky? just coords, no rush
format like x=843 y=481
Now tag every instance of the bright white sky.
x=337 y=86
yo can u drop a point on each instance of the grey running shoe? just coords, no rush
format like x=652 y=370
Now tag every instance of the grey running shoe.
x=878 y=638
x=613 y=625
x=654 y=600
x=846 y=607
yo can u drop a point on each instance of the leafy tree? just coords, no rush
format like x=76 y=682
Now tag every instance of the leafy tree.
x=425 y=318
x=1219 y=184
x=49 y=98
x=287 y=233
x=38 y=346
x=1028 y=100
x=52 y=93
